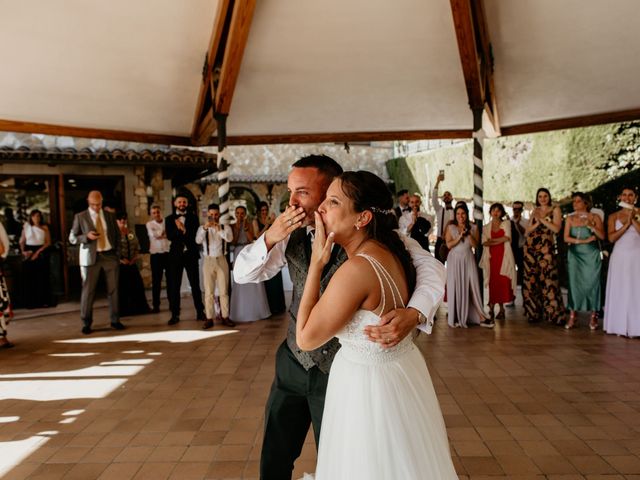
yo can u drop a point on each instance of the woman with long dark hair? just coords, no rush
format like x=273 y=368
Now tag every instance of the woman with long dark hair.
x=464 y=302
x=541 y=295
x=582 y=230
x=34 y=243
x=622 y=301
x=381 y=417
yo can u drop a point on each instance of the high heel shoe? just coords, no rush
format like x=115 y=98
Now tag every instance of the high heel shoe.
x=593 y=323
x=572 y=321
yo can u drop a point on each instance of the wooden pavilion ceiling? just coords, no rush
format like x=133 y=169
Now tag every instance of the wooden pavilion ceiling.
x=288 y=71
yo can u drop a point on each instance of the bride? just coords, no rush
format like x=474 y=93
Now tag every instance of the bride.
x=381 y=418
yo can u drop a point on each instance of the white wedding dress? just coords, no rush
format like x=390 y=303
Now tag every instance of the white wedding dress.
x=381 y=417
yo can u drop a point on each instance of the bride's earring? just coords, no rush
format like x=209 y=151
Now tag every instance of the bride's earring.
x=357 y=226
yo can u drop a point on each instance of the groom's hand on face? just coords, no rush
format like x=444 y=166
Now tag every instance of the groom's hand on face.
x=394 y=326
x=287 y=222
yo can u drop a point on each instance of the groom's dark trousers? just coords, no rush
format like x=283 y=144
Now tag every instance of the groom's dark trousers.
x=296 y=401
x=299 y=388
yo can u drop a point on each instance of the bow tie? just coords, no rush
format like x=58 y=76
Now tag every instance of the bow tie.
x=406 y=209
x=448 y=208
x=178 y=214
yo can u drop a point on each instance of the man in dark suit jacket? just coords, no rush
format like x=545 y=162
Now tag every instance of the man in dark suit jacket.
x=97 y=233
x=184 y=253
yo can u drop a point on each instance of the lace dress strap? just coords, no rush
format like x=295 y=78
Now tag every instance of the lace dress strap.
x=382 y=274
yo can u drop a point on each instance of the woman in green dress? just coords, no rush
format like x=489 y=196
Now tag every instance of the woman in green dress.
x=582 y=231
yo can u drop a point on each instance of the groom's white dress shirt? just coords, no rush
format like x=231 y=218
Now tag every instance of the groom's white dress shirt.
x=255 y=264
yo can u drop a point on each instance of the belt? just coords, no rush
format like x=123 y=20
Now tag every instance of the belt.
x=105 y=252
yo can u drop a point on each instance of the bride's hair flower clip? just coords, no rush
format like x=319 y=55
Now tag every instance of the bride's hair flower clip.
x=381 y=210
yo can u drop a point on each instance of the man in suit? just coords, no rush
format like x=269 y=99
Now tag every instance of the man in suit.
x=99 y=237
x=403 y=203
x=416 y=224
x=298 y=392
x=184 y=253
x=518 y=226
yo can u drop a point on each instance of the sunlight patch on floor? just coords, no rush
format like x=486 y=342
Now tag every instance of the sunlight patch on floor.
x=83 y=354
x=46 y=390
x=15 y=452
x=175 y=336
x=112 y=370
x=9 y=419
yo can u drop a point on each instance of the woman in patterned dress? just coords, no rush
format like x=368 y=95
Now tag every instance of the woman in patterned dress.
x=541 y=286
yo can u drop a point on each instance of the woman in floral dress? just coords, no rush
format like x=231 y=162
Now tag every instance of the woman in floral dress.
x=541 y=286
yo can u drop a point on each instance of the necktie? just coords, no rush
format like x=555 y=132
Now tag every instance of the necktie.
x=308 y=242
x=102 y=240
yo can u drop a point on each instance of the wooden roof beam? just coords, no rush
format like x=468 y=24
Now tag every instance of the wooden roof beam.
x=71 y=131
x=222 y=66
x=476 y=57
x=341 y=137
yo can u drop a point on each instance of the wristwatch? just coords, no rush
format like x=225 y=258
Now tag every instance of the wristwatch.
x=421 y=318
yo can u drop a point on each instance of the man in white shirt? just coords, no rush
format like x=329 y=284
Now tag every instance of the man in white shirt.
x=215 y=269
x=416 y=224
x=444 y=214
x=297 y=395
x=159 y=250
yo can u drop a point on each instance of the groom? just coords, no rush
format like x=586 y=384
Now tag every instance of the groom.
x=298 y=391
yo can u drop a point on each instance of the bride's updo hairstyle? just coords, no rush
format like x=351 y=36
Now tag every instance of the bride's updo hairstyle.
x=368 y=192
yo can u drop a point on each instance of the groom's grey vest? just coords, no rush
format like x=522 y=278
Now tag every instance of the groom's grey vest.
x=298 y=262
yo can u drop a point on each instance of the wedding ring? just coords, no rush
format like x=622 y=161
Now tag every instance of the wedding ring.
x=388 y=340
x=290 y=222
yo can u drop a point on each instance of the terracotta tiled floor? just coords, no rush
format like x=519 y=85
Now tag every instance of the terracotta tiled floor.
x=155 y=402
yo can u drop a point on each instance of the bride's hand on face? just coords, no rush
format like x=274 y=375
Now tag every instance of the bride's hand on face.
x=322 y=244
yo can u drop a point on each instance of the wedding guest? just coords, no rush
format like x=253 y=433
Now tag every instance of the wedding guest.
x=249 y=300
x=444 y=215
x=416 y=224
x=622 y=301
x=133 y=300
x=381 y=416
x=273 y=286
x=34 y=242
x=12 y=226
x=215 y=269
x=96 y=231
x=497 y=260
x=541 y=286
x=403 y=203
x=159 y=253
x=464 y=302
x=582 y=230
x=518 y=238
x=184 y=254
x=5 y=301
